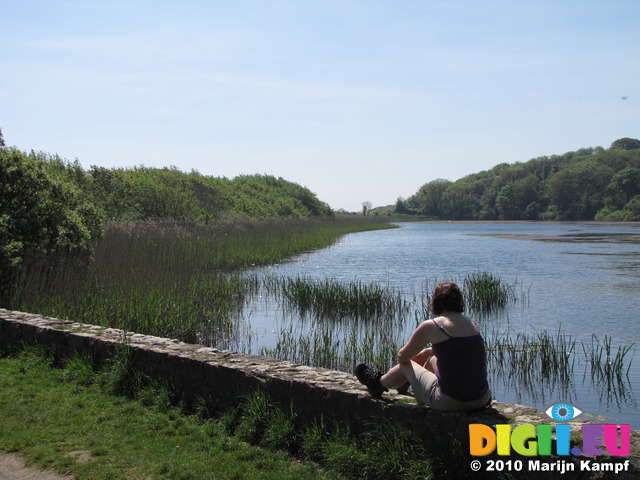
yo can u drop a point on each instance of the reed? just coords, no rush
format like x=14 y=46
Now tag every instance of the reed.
x=229 y=246
x=322 y=345
x=606 y=366
x=541 y=356
x=338 y=324
x=535 y=363
x=329 y=299
x=485 y=292
x=184 y=281
x=173 y=279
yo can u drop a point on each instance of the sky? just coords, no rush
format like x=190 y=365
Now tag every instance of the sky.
x=360 y=101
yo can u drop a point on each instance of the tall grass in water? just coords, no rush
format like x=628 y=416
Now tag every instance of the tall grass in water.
x=543 y=361
x=185 y=248
x=607 y=368
x=174 y=279
x=331 y=299
x=338 y=324
x=532 y=358
x=485 y=292
x=323 y=345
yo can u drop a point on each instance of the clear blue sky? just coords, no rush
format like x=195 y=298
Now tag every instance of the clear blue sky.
x=356 y=100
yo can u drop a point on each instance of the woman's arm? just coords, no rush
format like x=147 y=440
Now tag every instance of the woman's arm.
x=415 y=344
x=423 y=356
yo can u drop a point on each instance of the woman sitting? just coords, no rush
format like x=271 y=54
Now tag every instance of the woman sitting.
x=451 y=375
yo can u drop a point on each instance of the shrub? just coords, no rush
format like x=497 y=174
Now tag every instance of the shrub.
x=41 y=217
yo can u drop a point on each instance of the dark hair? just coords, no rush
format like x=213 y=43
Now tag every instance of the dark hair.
x=447 y=296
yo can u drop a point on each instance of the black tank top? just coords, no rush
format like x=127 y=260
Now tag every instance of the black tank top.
x=462 y=366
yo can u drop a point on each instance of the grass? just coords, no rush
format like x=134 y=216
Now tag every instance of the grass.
x=330 y=299
x=323 y=345
x=99 y=424
x=174 y=279
x=533 y=358
x=50 y=415
x=180 y=280
x=379 y=452
x=607 y=369
x=485 y=292
x=533 y=362
x=338 y=324
x=604 y=364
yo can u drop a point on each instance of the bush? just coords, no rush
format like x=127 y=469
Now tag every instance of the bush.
x=42 y=218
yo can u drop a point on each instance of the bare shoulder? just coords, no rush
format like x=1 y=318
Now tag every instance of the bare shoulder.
x=431 y=331
x=459 y=325
x=429 y=326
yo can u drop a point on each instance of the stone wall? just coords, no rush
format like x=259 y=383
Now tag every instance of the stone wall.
x=224 y=378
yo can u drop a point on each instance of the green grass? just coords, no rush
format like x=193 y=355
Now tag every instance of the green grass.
x=485 y=292
x=339 y=324
x=323 y=345
x=333 y=300
x=174 y=279
x=541 y=357
x=608 y=368
x=105 y=423
x=54 y=416
x=531 y=361
x=378 y=452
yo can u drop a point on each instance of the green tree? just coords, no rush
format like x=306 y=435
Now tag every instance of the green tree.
x=461 y=200
x=633 y=206
x=42 y=219
x=113 y=192
x=577 y=192
x=428 y=200
x=626 y=144
x=624 y=185
x=519 y=200
x=401 y=207
x=573 y=186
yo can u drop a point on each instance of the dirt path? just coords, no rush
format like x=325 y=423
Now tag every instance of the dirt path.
x=12 y=467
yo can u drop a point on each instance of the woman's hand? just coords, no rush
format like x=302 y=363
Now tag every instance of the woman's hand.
x=405 y=356
x=423 y=356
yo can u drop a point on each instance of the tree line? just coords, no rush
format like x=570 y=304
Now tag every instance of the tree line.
x=53 y=209
x=588 y=184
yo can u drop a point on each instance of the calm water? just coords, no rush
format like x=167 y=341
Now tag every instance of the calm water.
x=585 y=288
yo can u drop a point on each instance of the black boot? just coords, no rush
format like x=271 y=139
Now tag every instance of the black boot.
x=370 y=378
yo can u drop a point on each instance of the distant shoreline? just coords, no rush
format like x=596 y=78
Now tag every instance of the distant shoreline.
x=604 y=237
x=584 y=237
x=541 y=222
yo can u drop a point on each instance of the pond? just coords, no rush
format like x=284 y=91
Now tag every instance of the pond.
x=579 y=281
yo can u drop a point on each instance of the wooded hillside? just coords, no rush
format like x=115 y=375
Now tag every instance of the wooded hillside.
x=588 y=184
x=142 y=193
